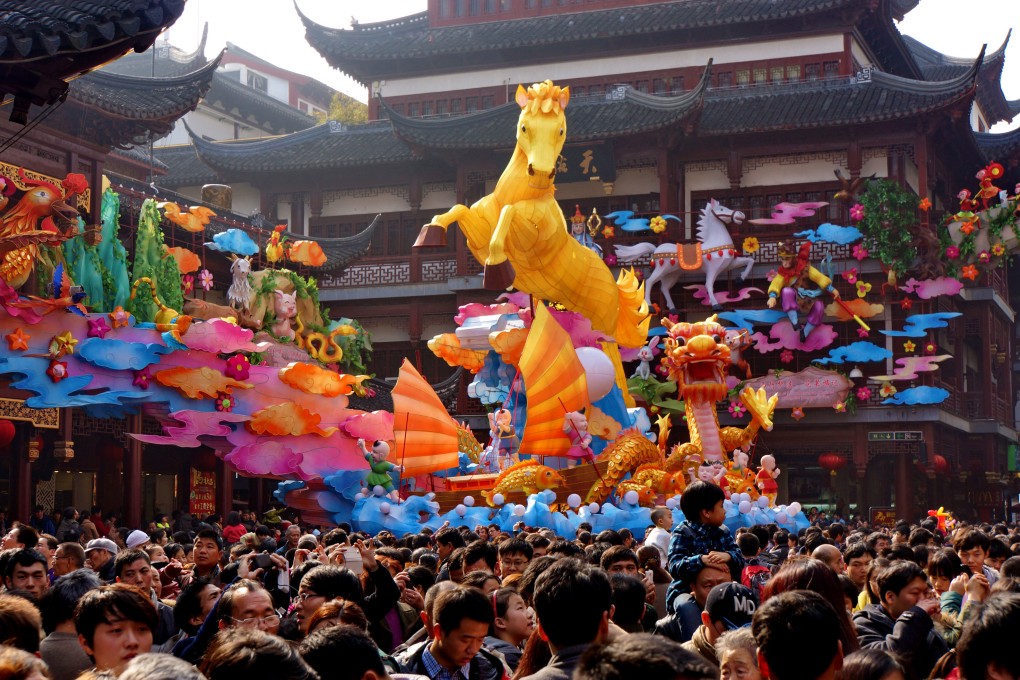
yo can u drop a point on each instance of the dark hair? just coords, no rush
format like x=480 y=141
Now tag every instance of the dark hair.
x=26 y=536
x=797 y=620
x=421 y=577
x=60 y=601
x=537 y=541
x=253 y=655
x=896 y=577
x=968 y=539
x=517 y=546
x=872 y=540
x=23 y=557
x=565 y=548
x=500 y=603
x=108 y=603
x=901 y=552
x=323 y=649
x=815 y=575
x=1010 y=568
x=157 y=535
x=618 y=553
x=233 y=518
x=699 y=496
x=526 y=583
x=458 y=604
x=944 y=563
x=857 y=550
x=998 y=550
x=920 y=536
x=749 y=544
x=480 y=550
x=211 y=535
x=449 y=536
x=628 y=602
x=850 y=589
x=477 y=579
x=570 y=600
x=345 y=611
x=189 y=605
x=650 y=657
x=331 y=581
x=610 y=536
x=988 y=638
x=20 y=623
x=869 y=664
x=171 y=549
x=660 y=513
x=126 y=557
x=18 y=664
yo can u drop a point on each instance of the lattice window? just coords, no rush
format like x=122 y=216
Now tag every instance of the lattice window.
x=760 y=76
x=813 y=71
x=830 y=69
x=456 y=105
x=488 y=101
x=677 y=84
x=470 y=104
x=793 y=72
x=726 y=79
x=743 y=77
x=659 y=86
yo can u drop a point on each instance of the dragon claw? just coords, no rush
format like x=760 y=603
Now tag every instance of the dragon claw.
x=760 y=405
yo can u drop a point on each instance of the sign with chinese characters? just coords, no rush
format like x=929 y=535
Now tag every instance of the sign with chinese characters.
x=203 y=493
x=586 y=163
x=883 y=517
x=911 y=436
x=811 y=388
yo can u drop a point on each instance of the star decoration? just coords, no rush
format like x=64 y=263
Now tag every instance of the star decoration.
x=969 y=272
x=797 y=413
x=57 y=370
x=62 y=344
x=18 y=340
x=906 y=303
x=118 y=317
x=925 y=204
x=98 y=328
x=142 y=378
x=909 y=346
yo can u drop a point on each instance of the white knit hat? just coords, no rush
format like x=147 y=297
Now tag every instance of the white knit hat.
x=137 y=538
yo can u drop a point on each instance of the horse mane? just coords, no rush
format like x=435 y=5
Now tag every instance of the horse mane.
x=546 y=97
x=700 y=232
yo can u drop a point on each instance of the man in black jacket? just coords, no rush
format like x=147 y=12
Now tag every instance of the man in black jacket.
x=902 y=624
x=461 y=621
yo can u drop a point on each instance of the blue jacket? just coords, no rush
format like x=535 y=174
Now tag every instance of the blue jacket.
x=686 y=546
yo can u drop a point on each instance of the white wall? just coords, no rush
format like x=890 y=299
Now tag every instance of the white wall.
x=566 y=70
x=381 y=200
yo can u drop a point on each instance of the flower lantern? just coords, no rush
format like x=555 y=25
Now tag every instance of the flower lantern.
x=832 y=462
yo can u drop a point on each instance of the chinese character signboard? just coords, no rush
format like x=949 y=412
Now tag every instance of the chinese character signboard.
x=810 y=388
x=883 y=517
x=203 y=493
x=586 y=163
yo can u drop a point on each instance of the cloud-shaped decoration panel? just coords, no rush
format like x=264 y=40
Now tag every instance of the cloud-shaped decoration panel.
x=856 y=353
x=918 y=396
x=233 y=241
x=120 y=355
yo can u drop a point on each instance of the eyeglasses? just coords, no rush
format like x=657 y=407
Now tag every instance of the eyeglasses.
x=301 y=597
x=271 y=620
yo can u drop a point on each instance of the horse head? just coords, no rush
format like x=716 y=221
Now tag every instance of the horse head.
x=542 y=129
x=715 y=217
x=724 y=214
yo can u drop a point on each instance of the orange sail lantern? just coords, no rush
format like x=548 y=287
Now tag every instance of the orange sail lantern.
x=426 y=435
x=555 y=383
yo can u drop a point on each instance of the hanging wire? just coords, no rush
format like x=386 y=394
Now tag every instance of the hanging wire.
x=31 y=125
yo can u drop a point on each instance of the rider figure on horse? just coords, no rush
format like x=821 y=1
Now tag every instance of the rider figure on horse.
x=791 y=286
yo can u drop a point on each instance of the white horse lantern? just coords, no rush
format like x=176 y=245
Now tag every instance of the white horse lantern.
x=714 y=252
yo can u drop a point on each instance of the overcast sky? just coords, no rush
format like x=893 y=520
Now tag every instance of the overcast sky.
x=272 y=30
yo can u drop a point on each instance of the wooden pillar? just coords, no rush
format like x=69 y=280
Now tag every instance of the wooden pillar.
x=904 y=488
x=224 y=487
x=21 y=475
x=860 y=466
x=735 y=168
x=667 y=182
x=681 y=191
x=133 y=476
x=315 y=202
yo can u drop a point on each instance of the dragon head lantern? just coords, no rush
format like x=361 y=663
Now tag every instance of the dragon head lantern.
x=697 y=356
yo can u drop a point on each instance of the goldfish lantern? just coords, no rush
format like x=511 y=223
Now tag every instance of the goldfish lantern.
x=598 y=370
x=832 y=462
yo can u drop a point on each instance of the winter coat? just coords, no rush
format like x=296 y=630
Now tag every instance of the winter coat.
x=911 y=638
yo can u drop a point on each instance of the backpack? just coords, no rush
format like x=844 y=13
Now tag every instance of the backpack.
x=755 y=576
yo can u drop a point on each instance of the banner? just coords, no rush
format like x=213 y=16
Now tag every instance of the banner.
x=203 y=493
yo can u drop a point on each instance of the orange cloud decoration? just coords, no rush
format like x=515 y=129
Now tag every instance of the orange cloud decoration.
x=312 y=379
x=307 y=253
x=858 y=306
x=447 y=347
x=198 y=382
x=509 y=344
x=187 y=261
x=288 y=418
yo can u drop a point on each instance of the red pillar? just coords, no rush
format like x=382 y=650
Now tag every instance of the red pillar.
x=133 y=476
x=21 y=476
x=224 y=488
x=904 y=488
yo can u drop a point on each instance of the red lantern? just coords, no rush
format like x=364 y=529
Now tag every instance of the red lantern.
x=939 y=464
x=7 y=433
x=832 y=462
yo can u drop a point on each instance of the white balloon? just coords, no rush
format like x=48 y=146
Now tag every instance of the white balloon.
x=594 y=507
x=469 y=501
x=793 y=508
x=550 y=496
x=763 y=502
x=498 y=499
x=606 y=507
x=671 y=503
x=744 y=507
x=574 y=500
x=365 y=491
x=461 y=510
x=384 y=508
x=378 y=490
x=631 y=497
x=599 y=371
x=358 y=496
x=520 y=510
x=782 y=518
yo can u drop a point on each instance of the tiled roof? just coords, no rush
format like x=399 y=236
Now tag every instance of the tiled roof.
x=169 y=60
x=369 y=50
x=269 y=114
x=140 y=156
x=936 y=66
x=184 y=167
x=603 y=118
x=827 y=103
x=998 y=146
x=326 y=146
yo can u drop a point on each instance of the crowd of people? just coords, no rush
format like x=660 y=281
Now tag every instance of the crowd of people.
x=242 y=599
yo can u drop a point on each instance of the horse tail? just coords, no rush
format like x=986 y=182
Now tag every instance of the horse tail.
x=633 y=318
x=635 y=252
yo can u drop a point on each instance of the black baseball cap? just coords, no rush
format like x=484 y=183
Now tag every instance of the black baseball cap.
x=731 y=603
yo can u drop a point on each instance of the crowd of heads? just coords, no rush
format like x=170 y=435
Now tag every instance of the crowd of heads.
x=239 y=598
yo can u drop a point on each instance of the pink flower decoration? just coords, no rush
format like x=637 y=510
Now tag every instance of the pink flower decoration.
x=952 y=252
x=610 y=260
x=205 y=279
x=662 y=370
x=862 y=333
x=188 y=283
x=225 y=402
x=786 y=356
x=863 y=394
x=850 y=276
x=736 y=409
x=238 y=367
x=772 y=273
x=857 y=212
x=859 y=252
x=984 y=257
x=142 y=378
x=98 y=328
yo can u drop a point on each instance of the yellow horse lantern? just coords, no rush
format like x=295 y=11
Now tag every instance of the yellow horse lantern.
x=520 y=234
